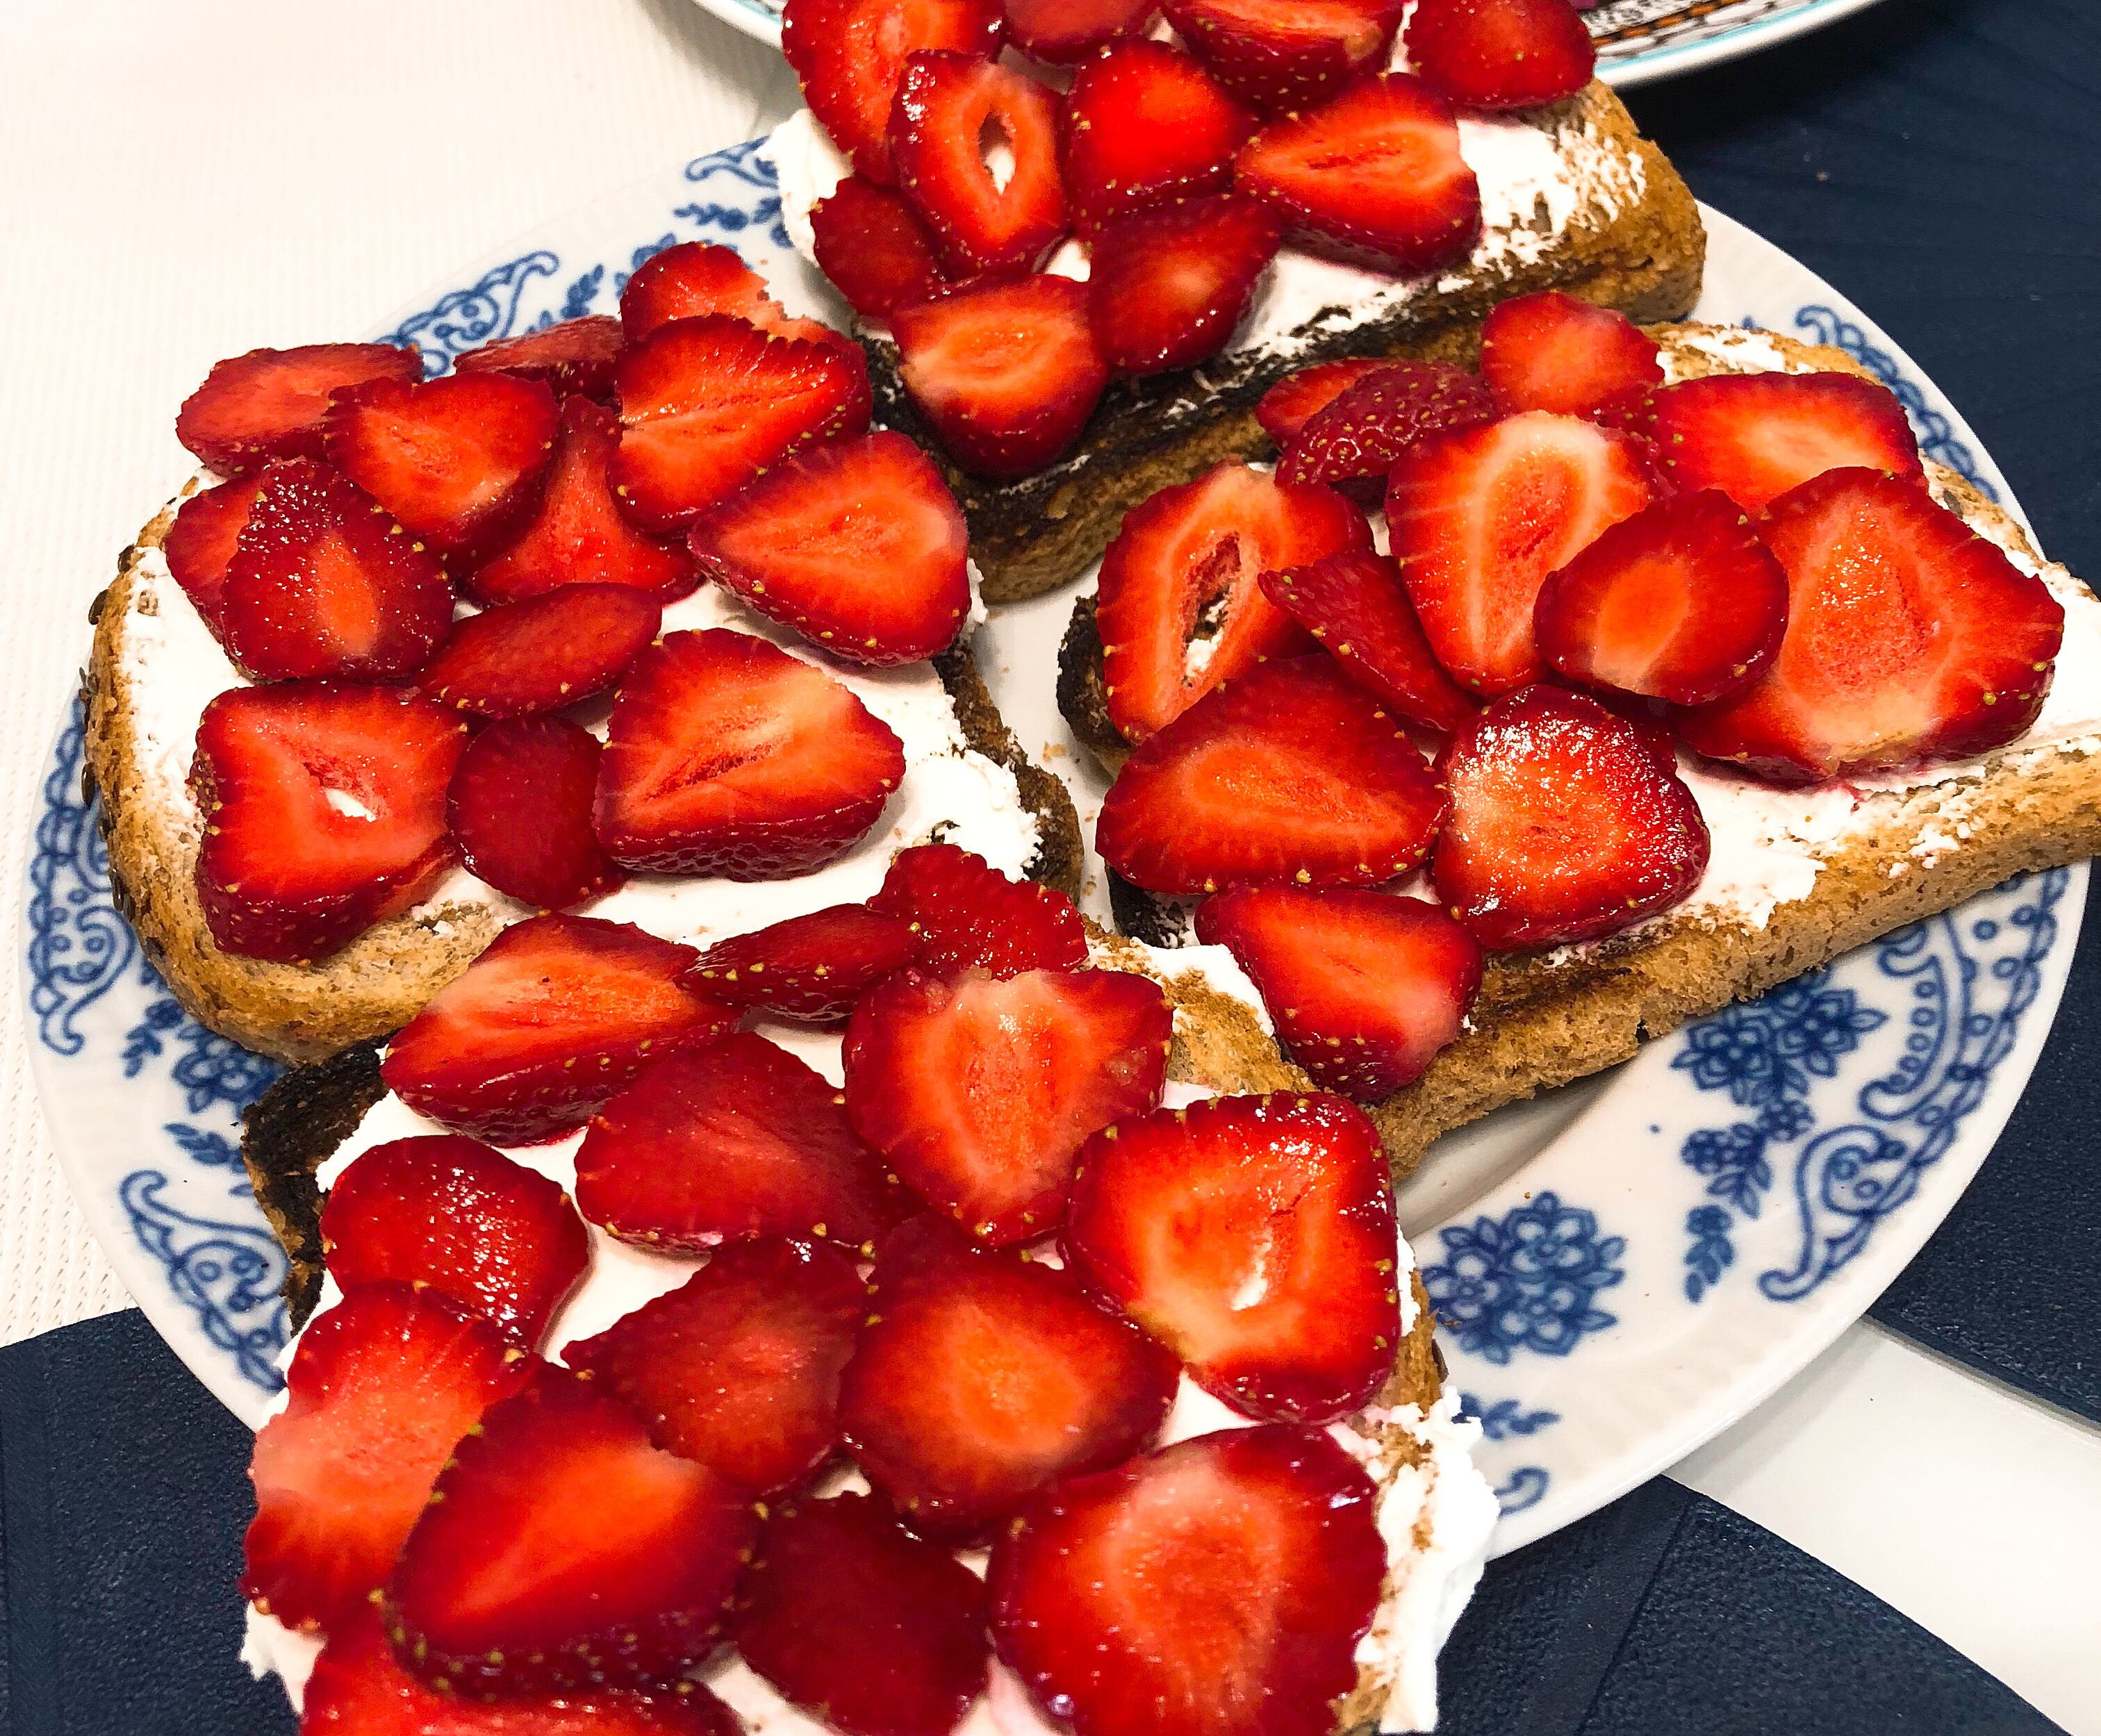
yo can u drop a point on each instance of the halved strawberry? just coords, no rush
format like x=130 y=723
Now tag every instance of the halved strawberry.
x=1298 y=398
x=380 y=1388
x=1479 y=516
x=978 y=1382
x=849 y=56
x=1365 y=987
x=1754 y=436
x=1909 y=639
x=870 y=243
x=519 y=808
x=739 y=1367
x=1357 y=438
x=967 y=915
x=460 y=460
x=859 y=547
x=1218 y=1587
x=1007 y=373
x=1180 y=607
x=543 y=653
x=1145 y=125
x=562 y=1550
x=924 y=1240
x=692 y=279
x=199 y=545
x=1681 y=602
x=977 y=1090
x=954 y=110
x=1291 y=772
x=498 y=1239
x=1377 y=171
x=324 y=812
x=580 y=536
x=1353 y=604
x=1287 y=57
x=269 y=403
x=571 y=358
x=323 y=582
x=727 y=756
x=707 y=404
x=1565 y=824
x=857 y=1621
x=1502 y=54
x=557 y=1014
x=1550 y=352
x=743 y=1140
x=1168 y=287
x=1066 y=32
x=812 y=968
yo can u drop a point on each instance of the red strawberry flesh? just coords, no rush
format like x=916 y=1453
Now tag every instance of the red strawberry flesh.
x=1550 y=352
x=966 y=914
x=199 y=545
x=571 y=358
x=690 y=279
x=1355 y=439
x=1298 y=398
x=1502 y=54
x=543 y=653
x=1146 y=126
x=1354 y=603
x=810 y=968
x=1278 y=57
x=1754 y=436
x=870 y=243
x=950 y=108
x=1065 y=32
x=1168 y=287
x=519 y=809
x=269 y=403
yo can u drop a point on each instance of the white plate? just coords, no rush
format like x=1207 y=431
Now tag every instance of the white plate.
x=1626 y=1266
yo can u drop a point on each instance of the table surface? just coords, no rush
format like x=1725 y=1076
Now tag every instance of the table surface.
x=183 y=180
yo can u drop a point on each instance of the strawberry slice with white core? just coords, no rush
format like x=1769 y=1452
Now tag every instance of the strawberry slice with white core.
x=1355 y=439
x=727 y=756
x=1682 y=602
x=981 y=1379
x=692 y=279
x=1298 y=398
x=739 y=1367
x=811 y=969
x=1287 y=55
x=519 y=808
x=1566 y=825
x=1063 y=32
x=571 y=358
x=1168 y=287
x=557 y=1014
x=498 y=1239
x=324 y=812
x=1007 y=373
x=741 y=1140
x=323 y=583
x=858 y=1621
x=1550 y=352
x=1253 y=1236
x=1376 y=172
x=269 y=403
x=966 y=914
x=1291 y=772
x=1754 y=436
x=562 y=1550
x=1479 y=518
x=975 y=146
x=1502 y=54
x=977 y=1091
x=1146 y=126
x=1353 y=604
x=1365 y=987
x=1910 y=638
x=1180 y=608
x=1218 y=1587
x=859 y=547
x=706 y=404
x=199 y=545
x=380 y=1388
x=872 y=247
x=543 y=653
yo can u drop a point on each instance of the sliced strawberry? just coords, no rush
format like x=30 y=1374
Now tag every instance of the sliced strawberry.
x=1909 y=639
x=727 y=756
x=519 y=808
x=981 y=1380
x=1681 y=602
x=1066 y=32
x=978 y=1090
x=690 y=279
x=1377 y=171
x=1502 y=54
x=199 y=545
x=850 y=55
x=739 y=1367
x=742 y=1140
x=1353 y=604
x=924 y=1240
x=967 y=915
x=1008 y=373
x=323 y=583
x=1365 y=987
x=1565 y=824
x=812 y=968
x=707 y=404
x=562 y=1550
x=1756 y=436
x=381 y=1387
x=1291 y=772
x=870 y=243
x=1287 y=57
x=269 y=403
x=1181 y=610
x=1218 y=1587
x=571 y=358
x=1550 y=352
x=1168 y=287
x=1145 y=125
x=1478 y=517
x=580 y=536
x=1298 y=398
x=498 y=1239
x=543 y=653
x=1358 y=437
x=324 y=810
x=555 y=1016
x=861 y=1623
x=953 y=111
x=859 y=547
